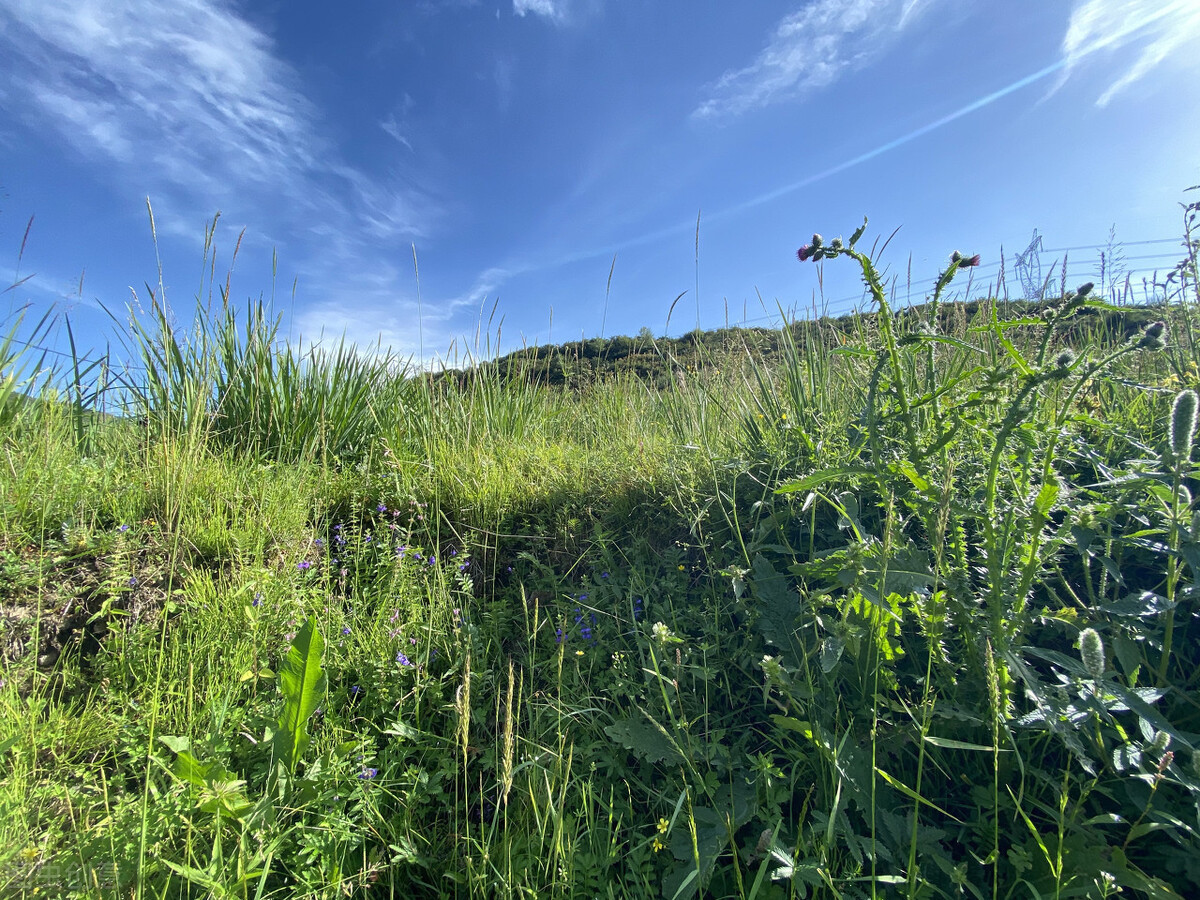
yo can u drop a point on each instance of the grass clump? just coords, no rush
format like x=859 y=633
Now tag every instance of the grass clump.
x=904 y=607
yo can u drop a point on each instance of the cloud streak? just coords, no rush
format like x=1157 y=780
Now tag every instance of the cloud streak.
x=809 y=49
x=190 y=103
x=1108 y=24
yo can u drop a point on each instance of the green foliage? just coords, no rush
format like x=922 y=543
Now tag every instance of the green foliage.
x=901 y=604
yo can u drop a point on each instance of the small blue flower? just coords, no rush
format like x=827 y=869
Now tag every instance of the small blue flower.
x=582 y=597
x=368 y=774
x=319 y=542
x=355 y=691
x=585 y=633
x=432 y=559
x=132 y=581
x=346 y=629
x=558 y=636
x=403 y=660
x=257 y=601
x=303 y=565
x=381 y=508
x=122 y=528
x=604 y=575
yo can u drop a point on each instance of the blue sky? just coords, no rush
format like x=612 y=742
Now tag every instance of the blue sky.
x=521 y=145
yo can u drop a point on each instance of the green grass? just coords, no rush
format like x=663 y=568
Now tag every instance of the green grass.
x=796 y=617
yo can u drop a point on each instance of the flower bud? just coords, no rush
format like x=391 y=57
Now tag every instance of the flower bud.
x=1084 y=289
x=835 y=244
x=817 y=240
x=1183 y=426
x=1091 y=651
x=1161 y=742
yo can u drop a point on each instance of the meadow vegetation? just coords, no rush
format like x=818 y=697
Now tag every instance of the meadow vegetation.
x=902 y=604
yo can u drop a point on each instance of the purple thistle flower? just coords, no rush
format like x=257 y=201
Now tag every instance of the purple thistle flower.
x=804 y=253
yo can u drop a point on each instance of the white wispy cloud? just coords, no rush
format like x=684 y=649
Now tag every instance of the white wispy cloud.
x=561 y=12
x=551 y=9
x=811 y=48
x=190 y=103
x=1163 y=32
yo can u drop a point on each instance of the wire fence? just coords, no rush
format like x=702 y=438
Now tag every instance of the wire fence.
x=1120 y=289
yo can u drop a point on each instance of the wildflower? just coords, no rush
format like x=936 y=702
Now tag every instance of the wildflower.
x=132 y=581
x=657 y=845
x=413 y=641
x=355 y=690
x=257 y=601
x=583 y=598
x=367 y=774
x=453 y=552
x=579 y=653
x=381 y=508
x=663 y=825
x=394 y=616
x=661 y=632
x=402 y=659
x=585 y=633
x=604 y=575
x=681 y=566
x=319 y=543
x=804 y=254
x=638 y=610
x=345 y=629
x=122 y=528
x=303 y=565
x=432 y=559
x=558 y=636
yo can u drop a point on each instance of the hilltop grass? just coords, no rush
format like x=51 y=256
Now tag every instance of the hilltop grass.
x=905 y=607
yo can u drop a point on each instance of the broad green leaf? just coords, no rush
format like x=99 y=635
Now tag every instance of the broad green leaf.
x=644 y=739
x=303 y=683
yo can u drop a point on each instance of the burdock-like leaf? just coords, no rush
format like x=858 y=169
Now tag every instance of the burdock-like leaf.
x=644 y=739
x=303 y=683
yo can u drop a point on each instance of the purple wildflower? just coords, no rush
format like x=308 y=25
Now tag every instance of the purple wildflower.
x=382 y=507
x=402 y=659
x=355 y=691
x=303 y=565
x=346 y=629
x=122 y=528
x=367 y=774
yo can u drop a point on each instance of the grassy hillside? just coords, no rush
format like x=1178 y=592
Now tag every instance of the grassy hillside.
x=902 y=604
